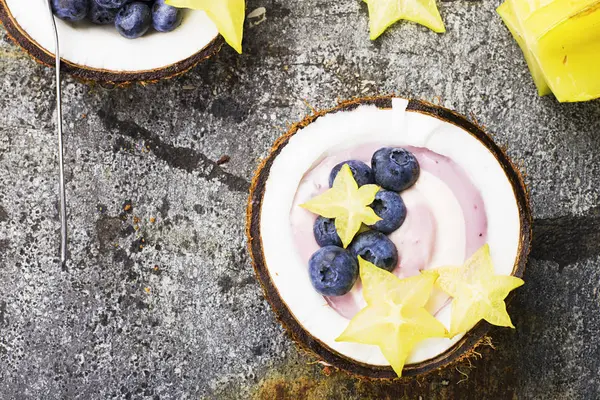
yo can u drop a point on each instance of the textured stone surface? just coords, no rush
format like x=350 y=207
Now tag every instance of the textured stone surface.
x=159 y=300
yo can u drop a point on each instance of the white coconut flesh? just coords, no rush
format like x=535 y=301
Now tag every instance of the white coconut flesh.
x=102 y=47
x=364 y=126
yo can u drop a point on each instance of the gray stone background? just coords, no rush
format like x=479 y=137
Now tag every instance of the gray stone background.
x=159 y=301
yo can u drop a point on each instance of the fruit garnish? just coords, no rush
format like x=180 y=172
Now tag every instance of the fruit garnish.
x=395 y=168
x=70 y=10
x=325 y=233
x=478 y=293
x=391 y=208
x=227 y=15
x=165 y=18
x=110 y=3
x=347 y=203
x=395 y=318
x=100 y=15
x=333 y=271
x=562 y=37
x=510 y=20
x=384 y=13
x=375 y=248
x=361 y=172
x=133 y=20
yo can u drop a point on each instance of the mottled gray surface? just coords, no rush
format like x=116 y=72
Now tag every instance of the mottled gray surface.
x=170 y=309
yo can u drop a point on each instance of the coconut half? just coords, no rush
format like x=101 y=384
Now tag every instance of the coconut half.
x=390 y=122
x=100 y=53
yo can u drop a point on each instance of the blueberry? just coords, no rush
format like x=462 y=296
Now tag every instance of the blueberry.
x=111 y=3
x=133 y=20
x=395 y=168
x=362 y=173
x=325 y=233
x=101 y=15
x=333 y=271
x=70 y=10
x=376 y=248
x=390 y=207
x=165 y=18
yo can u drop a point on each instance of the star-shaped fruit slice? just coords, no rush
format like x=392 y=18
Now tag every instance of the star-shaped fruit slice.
x=507 y=13
x=383 y=13
x=227 y=15
x=559 y=39
x=395 y=318
x=347 y=203
x=478 y=293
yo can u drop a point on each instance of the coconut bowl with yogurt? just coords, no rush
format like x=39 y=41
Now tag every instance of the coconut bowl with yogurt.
x=468 y=194
x=99 y=53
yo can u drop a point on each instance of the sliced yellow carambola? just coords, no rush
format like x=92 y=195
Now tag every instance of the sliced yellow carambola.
x=543 y=15
x=564 y=38
x=478 y=292
x=347 y=203
x=227 y=15
x=569 y=55
x=395 y=318
x=525 y=8
x=508 y=16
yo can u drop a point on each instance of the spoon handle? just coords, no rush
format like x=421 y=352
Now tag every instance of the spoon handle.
x=59 y=132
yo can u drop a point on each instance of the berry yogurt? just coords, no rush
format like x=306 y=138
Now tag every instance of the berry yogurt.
x=445 y=222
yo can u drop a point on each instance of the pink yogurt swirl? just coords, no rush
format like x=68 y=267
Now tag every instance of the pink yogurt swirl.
x=416 y=238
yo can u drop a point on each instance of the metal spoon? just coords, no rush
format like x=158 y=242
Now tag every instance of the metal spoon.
x=59 y=132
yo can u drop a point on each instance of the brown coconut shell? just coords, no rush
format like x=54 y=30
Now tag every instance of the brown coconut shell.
x=85 y=73
x=327 y=355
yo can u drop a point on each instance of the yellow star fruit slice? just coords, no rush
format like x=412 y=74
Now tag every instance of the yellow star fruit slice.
x=347 y=203
x=508 y=16
x=569 y=55
x=384 y=13
x=395 y=318
x=544 y=15
x=564 y=38
x=478 y=293
x=227 y=15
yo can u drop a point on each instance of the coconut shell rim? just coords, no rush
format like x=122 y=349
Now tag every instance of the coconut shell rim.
x=311 y=344
x=89 y=74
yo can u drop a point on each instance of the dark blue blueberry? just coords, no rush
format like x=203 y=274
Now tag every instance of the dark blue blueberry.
x=395 y=168
x=133 y=20
x=333 y=271
x=101 y=15
x=165 y=18
x=70 y=10
x=376 y=248
x=325 y=232
x=390 y=207
x=111 y=3
x=363 y=175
